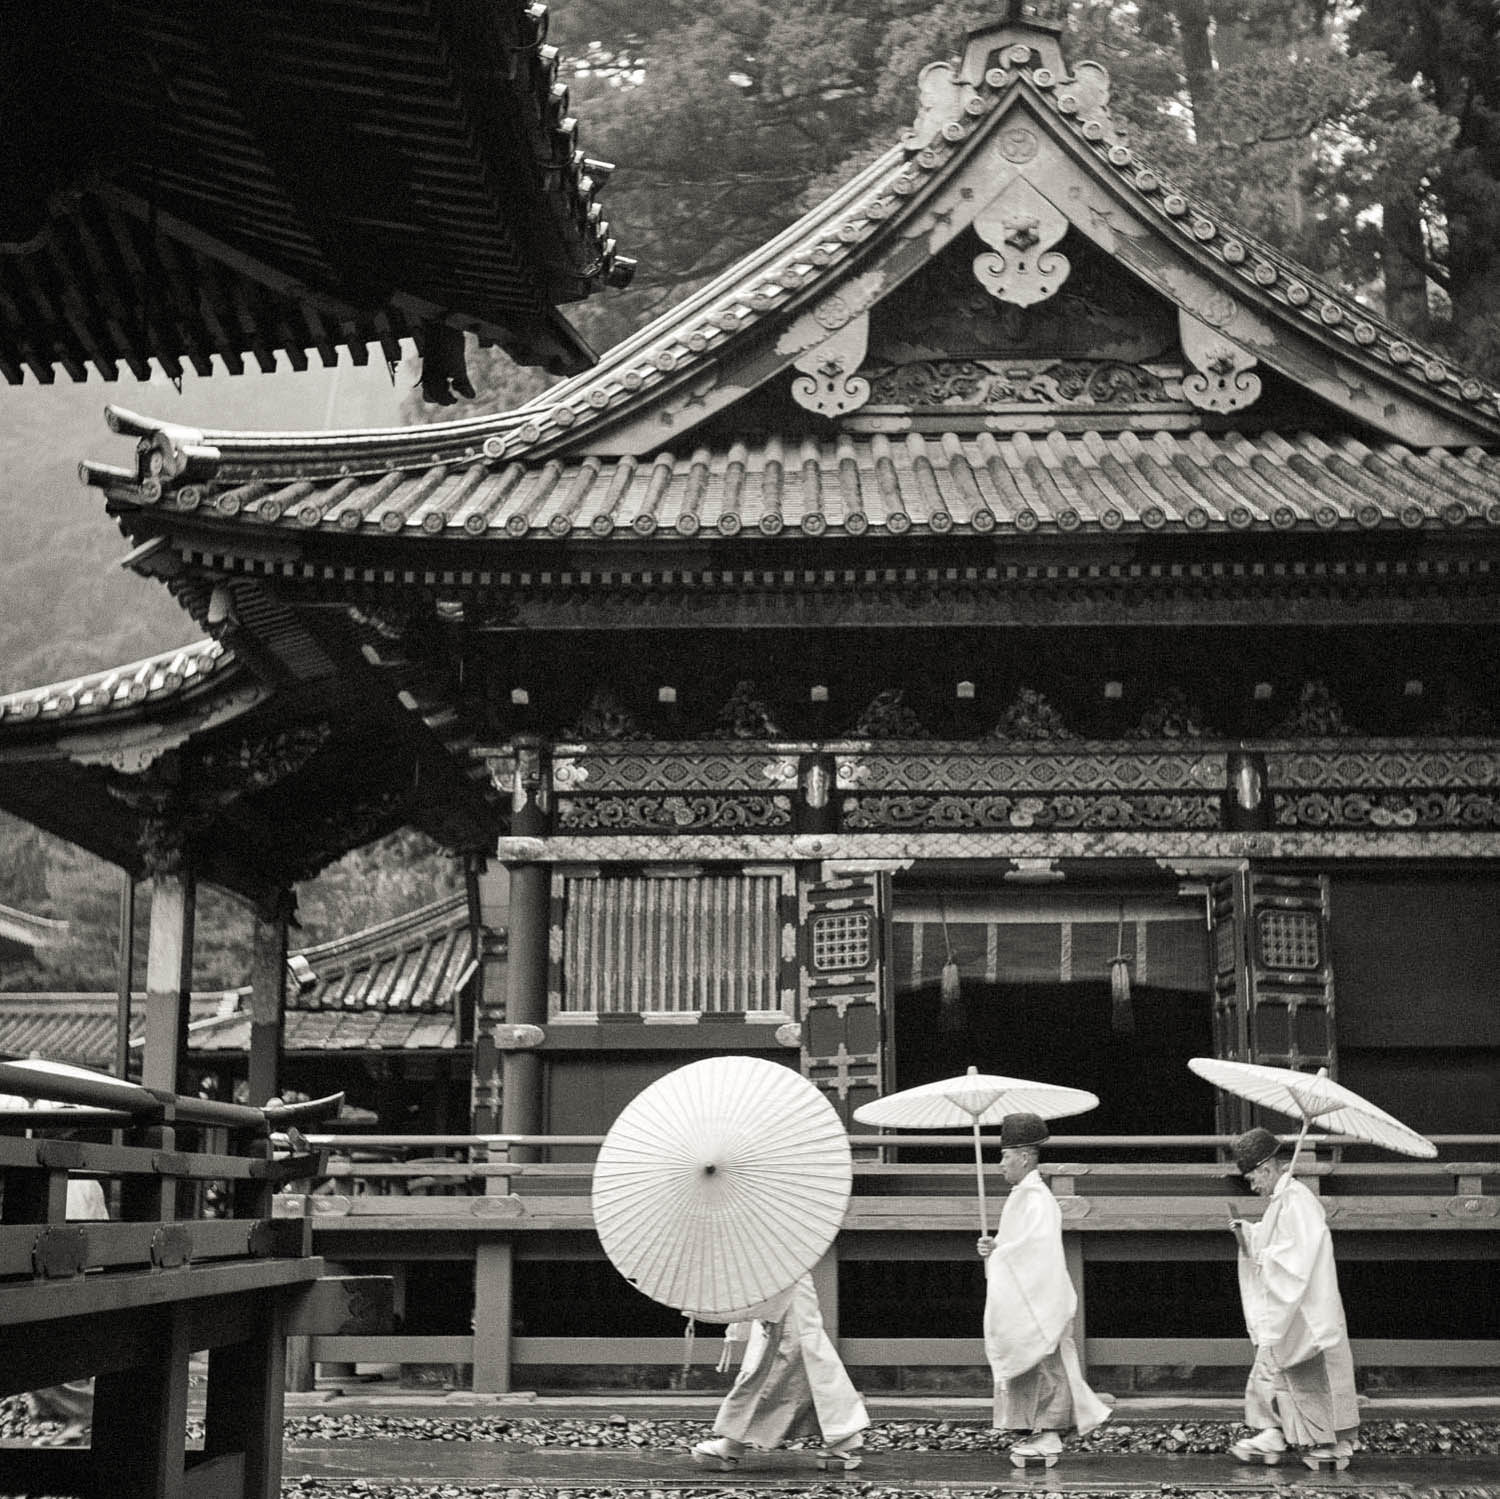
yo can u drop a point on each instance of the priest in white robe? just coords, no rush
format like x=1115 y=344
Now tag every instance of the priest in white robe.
x=1029 y=1307
x=792 y=1383
x=1300 y=1393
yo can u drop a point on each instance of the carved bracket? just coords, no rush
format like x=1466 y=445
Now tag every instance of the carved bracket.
x=828 y=384
x=1222 y=381
x=1021 y=226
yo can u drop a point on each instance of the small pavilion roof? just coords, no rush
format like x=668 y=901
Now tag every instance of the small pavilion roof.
x=121 y=690
x=24 y=932
x=184 y=182
x=304 y=748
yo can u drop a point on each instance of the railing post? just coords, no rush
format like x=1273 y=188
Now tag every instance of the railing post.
x=140 y=1418
x=244 y=1403
x=494 y=1264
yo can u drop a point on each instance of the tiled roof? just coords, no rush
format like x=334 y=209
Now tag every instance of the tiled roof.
x=121 y=688
x=22 y=929
x=450 y=184
x=388 y=987
x=792 y=272
x=410 y=964
x=938 y=483
x=77 y=1028
x=334 y=1031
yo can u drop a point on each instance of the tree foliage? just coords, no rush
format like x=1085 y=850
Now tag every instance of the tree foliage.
x=1365 y=141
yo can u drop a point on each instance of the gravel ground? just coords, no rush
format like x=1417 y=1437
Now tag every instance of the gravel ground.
x=1390 y=1438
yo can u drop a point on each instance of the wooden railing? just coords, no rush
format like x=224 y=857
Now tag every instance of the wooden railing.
x=493 y=1199
x=126 y=1300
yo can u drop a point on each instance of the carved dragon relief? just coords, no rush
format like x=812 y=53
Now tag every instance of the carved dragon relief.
x=1222 y=381
x=1022 y=227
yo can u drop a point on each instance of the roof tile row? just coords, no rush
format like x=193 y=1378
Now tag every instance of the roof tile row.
x=936 y=483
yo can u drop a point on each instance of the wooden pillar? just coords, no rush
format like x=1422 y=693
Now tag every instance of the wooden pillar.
x=140 y=1420
x=245 y=1399
x=169 y=976
x=525 y=1000
x=493 y=890
x=493 y=1311
x=268 y=996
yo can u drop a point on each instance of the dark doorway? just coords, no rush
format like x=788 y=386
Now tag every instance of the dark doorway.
x=1028 y=995
x=1063 y=1033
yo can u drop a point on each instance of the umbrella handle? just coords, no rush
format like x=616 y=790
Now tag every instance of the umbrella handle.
x=984 y=1227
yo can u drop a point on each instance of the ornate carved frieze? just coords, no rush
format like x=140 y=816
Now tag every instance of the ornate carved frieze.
x=1172 y=716
x=1072 y=810
x=1099 y=768
x=1031 y=717
x=889 y=716
x=1398 y=765
x=997 y=384
x=827 y=383
x=746 y=716
x=679 y=813
x=1021 y=227
x=257 y=764
x=1317 y=716
x=605 y=720
x=1221 y=381
x=1173 y=847
x=673 y=768
x=1476 y=810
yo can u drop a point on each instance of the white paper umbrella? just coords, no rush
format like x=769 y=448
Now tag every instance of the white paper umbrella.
x=1310 y=1096
x=721 y=1184
x=971 y=1100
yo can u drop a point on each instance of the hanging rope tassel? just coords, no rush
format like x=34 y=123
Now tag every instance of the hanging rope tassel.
x=950 y=987
x=689 y=1333
x=1121 y=1013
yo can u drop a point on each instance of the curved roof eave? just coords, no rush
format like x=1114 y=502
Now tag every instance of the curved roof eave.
x=806 y=262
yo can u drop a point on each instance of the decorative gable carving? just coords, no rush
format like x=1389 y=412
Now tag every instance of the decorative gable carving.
x=1022 y=227
x=827 y=383
x=1221 y=381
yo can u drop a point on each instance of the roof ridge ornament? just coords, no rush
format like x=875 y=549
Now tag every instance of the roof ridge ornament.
x=1034 y=25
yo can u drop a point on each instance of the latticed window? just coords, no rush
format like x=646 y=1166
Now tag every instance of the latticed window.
x=635 y=943
x=1290 y=940
x=842 y=942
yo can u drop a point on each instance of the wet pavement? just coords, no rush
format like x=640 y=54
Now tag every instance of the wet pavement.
x=507 y=1465
x=533 y=1459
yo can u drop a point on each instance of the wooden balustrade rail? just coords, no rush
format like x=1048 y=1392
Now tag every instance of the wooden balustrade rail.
x=126 y=1299
x=476 y=1204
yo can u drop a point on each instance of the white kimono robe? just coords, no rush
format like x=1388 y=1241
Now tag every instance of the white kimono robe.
x=792 y=1382
x=1303 y=1377
x=1029 y=1306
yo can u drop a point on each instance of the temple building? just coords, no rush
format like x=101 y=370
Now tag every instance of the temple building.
x=1012 y=618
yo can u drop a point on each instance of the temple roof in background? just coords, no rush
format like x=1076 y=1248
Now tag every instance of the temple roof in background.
x=247 y=180
x=388 y=987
